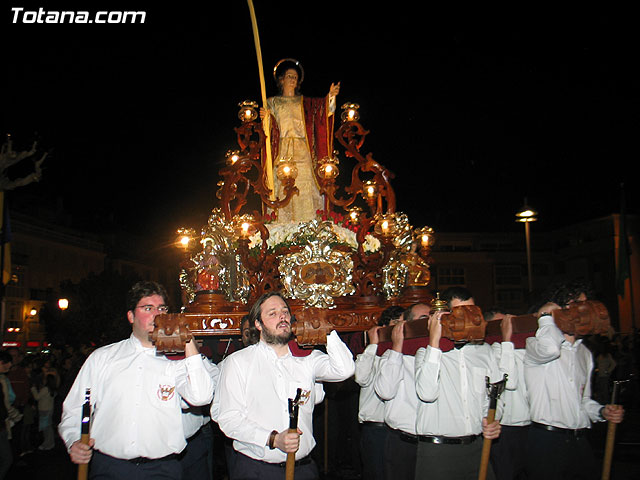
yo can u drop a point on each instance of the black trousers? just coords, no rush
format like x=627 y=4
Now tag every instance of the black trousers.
x=373 y=437
x=450 y=462
x=559 y=456
x=246 y=468
x=105 y=467
x=194 y=459
x=400 y=456
x=509 y=453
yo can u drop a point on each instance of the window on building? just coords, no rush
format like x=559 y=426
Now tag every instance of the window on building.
x=508 y=275
x=450 y=276
x=509 y=297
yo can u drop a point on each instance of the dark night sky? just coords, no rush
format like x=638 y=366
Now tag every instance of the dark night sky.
x=473 y=111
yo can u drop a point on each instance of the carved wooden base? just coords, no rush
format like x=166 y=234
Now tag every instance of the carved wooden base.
x=411 y=295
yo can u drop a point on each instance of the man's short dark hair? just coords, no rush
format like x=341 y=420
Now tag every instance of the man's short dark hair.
x=253 y=334
x=562 y=293
x=456 y=293
x=254 y=313
x=490 y=313
x=390 y=313
x=145 y=288
x=407 y=315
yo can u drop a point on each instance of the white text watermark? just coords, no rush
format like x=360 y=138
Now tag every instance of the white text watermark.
x=20 y=15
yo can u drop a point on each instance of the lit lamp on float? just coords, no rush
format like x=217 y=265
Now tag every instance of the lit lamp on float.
x=185 y=239
x=350 y=112
x=286 y=170
x=354 y=215
x=370 y=193
x=244 y=227
x=248 y=111
x=527 y=215
x=231 y=157
x=328 y=168
x=386 y=225
x=426 y=238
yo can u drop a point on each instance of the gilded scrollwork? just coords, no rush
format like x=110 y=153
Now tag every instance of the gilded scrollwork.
x=317 y=273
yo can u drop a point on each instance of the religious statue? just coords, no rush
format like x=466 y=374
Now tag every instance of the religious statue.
x=301 y=133
x=208 y=268
x=418 y=274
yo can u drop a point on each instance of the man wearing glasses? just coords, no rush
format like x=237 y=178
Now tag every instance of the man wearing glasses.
x=136 y=427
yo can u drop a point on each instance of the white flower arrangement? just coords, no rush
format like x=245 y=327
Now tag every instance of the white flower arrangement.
x=284 y=234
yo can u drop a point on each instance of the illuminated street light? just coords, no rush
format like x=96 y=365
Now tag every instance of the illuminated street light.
x=63 y=304
x=527 y=215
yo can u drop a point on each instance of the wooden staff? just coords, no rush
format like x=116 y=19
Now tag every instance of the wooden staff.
x=266 y=123
x=494 y=390
x=83 y=468
x=611 y=434
x=294 y=403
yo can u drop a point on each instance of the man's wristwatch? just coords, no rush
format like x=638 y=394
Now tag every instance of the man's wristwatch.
x=272 y=439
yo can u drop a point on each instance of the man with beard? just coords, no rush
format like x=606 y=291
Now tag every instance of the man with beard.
x=255 y=385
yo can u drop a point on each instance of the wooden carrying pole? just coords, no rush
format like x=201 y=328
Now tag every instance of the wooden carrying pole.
x=611 y=434
x=266 y=123
x=83 y=469
x=494 y=391
x=293 y=428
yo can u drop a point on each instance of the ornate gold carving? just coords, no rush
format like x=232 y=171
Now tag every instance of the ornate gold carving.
x=317 y=273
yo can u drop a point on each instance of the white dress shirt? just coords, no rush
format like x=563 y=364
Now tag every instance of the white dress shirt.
x=194 y=417
x=371 y=406
x=135 y=400
x=558 y=377
x=395 y=385
x=514 y=402
x=452 y=389
x=255 y=385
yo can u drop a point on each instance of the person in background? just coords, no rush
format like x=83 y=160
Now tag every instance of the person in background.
x=371 y=408
x=453 y=403
x=558 y=368
x=395 y=385
x=44 y=396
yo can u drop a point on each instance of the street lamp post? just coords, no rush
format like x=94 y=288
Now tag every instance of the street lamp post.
x=527 y=215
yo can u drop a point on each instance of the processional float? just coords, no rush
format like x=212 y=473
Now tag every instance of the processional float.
x=338 y=271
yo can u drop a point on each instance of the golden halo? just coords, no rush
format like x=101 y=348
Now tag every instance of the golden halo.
x=295 y=62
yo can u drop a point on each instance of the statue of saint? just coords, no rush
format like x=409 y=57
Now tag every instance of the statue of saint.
x=301 y=132
x=208 y=269
x=418 y=274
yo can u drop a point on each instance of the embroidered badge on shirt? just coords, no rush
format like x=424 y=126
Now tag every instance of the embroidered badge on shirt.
x=165 y=392
x=304 y=397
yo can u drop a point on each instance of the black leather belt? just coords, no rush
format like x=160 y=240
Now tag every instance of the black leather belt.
x=579 y=432
x=303 y=461
x=441 y=440
x=141 y=460
x=404 y=436
x=374 y=424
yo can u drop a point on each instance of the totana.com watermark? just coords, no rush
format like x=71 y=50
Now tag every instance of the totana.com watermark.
x=20 y=15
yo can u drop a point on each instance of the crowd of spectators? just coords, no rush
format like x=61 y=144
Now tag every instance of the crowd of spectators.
x=34 y=386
